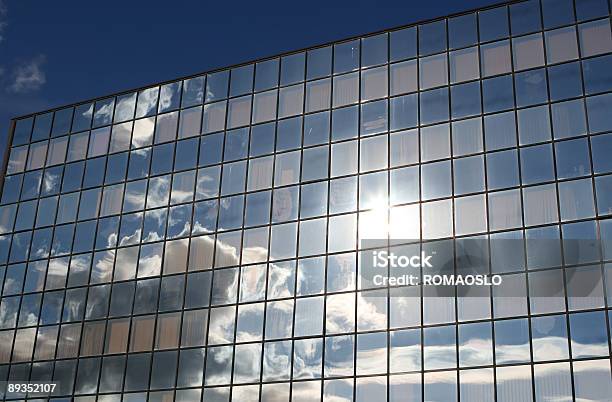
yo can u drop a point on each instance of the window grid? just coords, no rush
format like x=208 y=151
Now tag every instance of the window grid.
x=590 y=133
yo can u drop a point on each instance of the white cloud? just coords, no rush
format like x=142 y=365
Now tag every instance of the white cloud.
x=29 y=76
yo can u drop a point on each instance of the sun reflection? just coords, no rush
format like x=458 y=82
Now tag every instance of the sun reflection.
x=384 y=222
x=374 y=223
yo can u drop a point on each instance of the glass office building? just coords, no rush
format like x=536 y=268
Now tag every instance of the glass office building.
x=201 y=240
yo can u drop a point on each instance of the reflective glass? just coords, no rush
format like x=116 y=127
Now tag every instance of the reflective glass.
x=561 y=45
x=403 y=77
x=534 y=125
x=439 y=347
x=403 y=44
x=565 y=81
x=216 y=86
x=512 y=341
x=596 y=107
x=292 y=68
x=537 y=164
x=432 y=37
x=497 y=93
x=531 y=87
x=462 y=31
x=525 y=17
x=557 y=13
x=42 y=126
x=209 y=232
x=495 y=58
x=266 y=74
x=597 y=75
x=493 y=24
x=595 y=37
x=374 y=50
x=241 y=81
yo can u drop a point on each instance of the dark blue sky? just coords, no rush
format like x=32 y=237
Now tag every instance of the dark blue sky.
x=58 y=52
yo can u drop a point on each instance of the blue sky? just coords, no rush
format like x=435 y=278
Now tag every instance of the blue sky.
x=58 y=52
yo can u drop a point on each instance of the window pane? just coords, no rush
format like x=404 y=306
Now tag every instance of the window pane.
x=432 y=37
x=213 y=118
x=470 y=215
x=374 y=50
x=374 y=83
x=17 y=160
x=595 y=37
x=534 y=125
x=493 y=23
x=500 y=131
x=435 y=142
x=318 y=95
x=292 y=68
x=498 y=93
x=434 y=106
x=576 y=199
x=465 y=100
x=262 y=139
x=241 y=80
x=57 y=151
x=373 y=153
x=290 y=101
x=565 y=81
x=339 y=355
x=433 y=71
x=495 y=58
x=403 y=77
x=346 y=89
x=264 y=106
x=374 y=117
x=528 y=51
x=512 y=341
x=568 y=119
x=589 y=373
x=596 y=75
x=239 y=112
x=439 y=347
x=371 y=353
x=572 y=158
x=540 y=204
x=437 y=219
x=346 y=57
x=504 y=210
x=216 y=86
x=531 y=87
x=561 y=45
x=403 y=44
x=469 y=175
x=404 y=112
x=462 y=31
x=37 y=155
x=597 y=106
x=552 y=381
x=319 y=63
x=278 y=319
x=475 y=345
x=266 y=74
x=23 y=129
x=537 y=164
x=464 y=65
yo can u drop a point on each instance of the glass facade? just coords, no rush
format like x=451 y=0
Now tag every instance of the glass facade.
x=200 y=240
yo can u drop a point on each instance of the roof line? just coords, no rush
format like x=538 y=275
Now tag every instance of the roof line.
x=277 y=55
